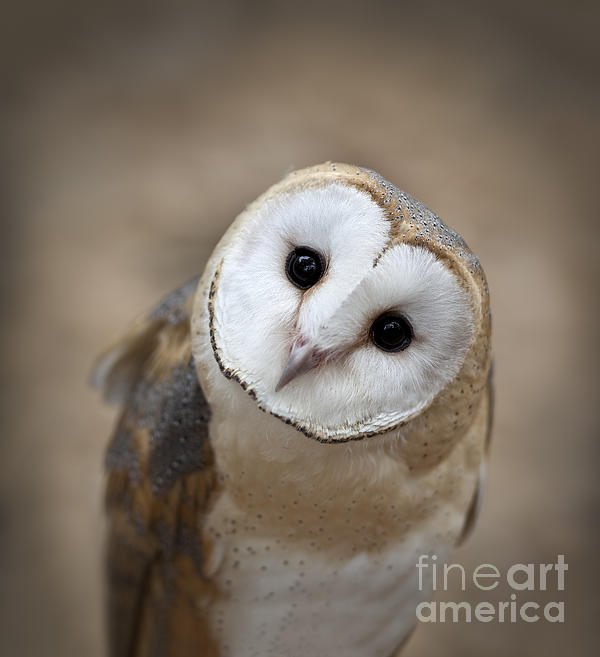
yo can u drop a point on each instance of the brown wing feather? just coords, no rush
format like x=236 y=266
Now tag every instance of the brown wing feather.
x=160 y=478
x=485 y=418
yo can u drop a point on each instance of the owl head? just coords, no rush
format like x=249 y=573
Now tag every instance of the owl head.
x=346 y=309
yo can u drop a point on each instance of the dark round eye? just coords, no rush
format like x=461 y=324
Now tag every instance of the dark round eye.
x=304 y=267
x=391 y=332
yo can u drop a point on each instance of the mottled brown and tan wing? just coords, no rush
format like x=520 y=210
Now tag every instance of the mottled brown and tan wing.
x=483 y=424
x=160 y=477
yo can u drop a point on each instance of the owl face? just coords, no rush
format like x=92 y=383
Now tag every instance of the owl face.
x=328 y=320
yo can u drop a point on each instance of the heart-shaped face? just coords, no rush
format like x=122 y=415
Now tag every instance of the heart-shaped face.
x=329 y=319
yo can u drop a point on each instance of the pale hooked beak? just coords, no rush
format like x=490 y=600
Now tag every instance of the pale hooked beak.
x=303 y=357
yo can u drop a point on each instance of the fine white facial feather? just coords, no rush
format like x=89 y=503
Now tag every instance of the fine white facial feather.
x=259 y=313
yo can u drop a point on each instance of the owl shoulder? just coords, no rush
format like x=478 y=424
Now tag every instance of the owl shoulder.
x=160 y=468
x=482 y=426
x=162 y=434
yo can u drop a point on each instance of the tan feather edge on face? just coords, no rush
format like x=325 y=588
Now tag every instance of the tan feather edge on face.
x=410 y=223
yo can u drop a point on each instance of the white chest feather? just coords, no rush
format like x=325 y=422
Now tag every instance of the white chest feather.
x=281 y=600
x=313 y=547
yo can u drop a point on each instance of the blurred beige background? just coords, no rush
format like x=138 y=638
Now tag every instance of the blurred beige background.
x=133 y=137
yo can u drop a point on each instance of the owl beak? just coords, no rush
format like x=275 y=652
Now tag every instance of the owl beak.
x=303 y=357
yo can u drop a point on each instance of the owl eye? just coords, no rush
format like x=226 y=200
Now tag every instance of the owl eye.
x=304 y=267
x=391 y=332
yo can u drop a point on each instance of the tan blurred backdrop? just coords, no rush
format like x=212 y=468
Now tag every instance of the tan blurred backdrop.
x=132 y=138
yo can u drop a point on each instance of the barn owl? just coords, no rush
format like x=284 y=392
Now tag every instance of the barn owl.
x=298 y=425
